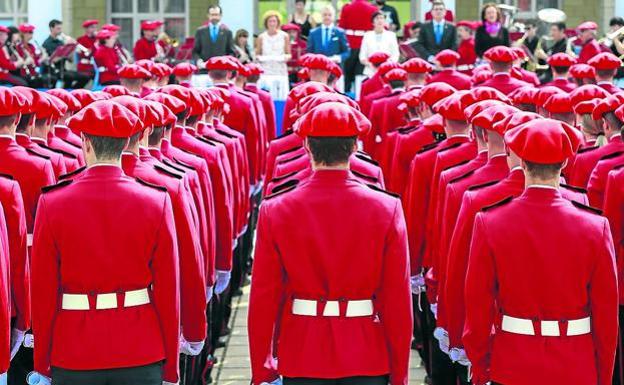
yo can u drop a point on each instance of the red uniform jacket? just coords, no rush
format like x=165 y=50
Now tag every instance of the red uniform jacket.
x=144 y=49
x=504 y=83
x=355 y=19
x=32 y=172
x=467 y=53
x=64 y=133
x=384 y=118
x=562 y=83
x=609 y=87
x=573 y=275
x=268 y=107
x=614 y=211
x=6 y=64
x=370 y=85
x=261 y=124
x=366 y=102
x=409 y=141
x=56 y=143
x=69 y=160
x=58 y=164
x=74 y=221
x=15 y=219
x=286 y=142
x=5 y=296
x=589 y=50
x=84 y=58
x=586 y=160
x=107 y=61
x=598 y=179
x=289 y=264
x=453 y=77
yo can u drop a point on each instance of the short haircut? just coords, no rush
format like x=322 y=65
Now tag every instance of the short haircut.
x=611 y=121
x=300 y=1
x=106 y=147
x=543 y=171
x=24 y=122
x=215 y=6
x=591 y=126
x=526 y=107
x=156 y=136
x=616 y=21
x=253 y=78
x=6 y=121
x=191 y=120
x=561 y=26
x=560 y=70
x=416 y=26
x=416 y=77
x=531 y=22
x=181 y=116
x=331 y=150
x=130 y=83
x=218 y=74
x=479 y=133
x=377 y=13
x=134 y=139
x=397 y=84
x=501 y=67
x=437 y=3
x=330 y=8
x=54 y=22
x=605 y=73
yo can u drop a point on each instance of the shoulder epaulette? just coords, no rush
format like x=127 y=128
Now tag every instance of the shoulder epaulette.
x=613 y=155
x=291 y=159
x=367 y=159
x=587 y=149
x=364 y=176
x=482 y=185
x=285 y=176
x=363 y=153
x=463 y=176
x=573 y=188
x=289 y=150
x=214 y=140
x=450 y=166
x=373 y=187
x=148 y=184
x=285 y=134
x=167 y=172
x=452 y=146
x=366 y=79
x=282 y=191
x=73 y=173
x=205 y=140
x=498 y=204
x=7 y=176
x=226 y=134
x=56 y=150
x=179 y=162
x=408 y=129
x=428 y=147
x=618 y=167
x=35 y=153
x=283 y=186
x=71 y=144
x=56 y=186
x=168 y=163
x=581 y=206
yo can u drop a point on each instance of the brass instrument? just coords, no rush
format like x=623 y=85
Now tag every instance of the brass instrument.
x=611 y=36
x=169 y=42
x=30 y=71
x=122 y=57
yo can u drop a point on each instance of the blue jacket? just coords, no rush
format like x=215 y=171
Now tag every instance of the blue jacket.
x=337 y=44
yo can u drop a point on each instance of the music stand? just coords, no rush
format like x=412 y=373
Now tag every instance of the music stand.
x=63 y=53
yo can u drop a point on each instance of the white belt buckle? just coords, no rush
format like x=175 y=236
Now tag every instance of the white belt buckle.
x=332 y=309
x=361 y=308
x=136 y=298
x=550 y=328
x=106 y=301
x=579 y=327
x=304 y=307
x=29 y=239
x=518 y=325
x=75 y=302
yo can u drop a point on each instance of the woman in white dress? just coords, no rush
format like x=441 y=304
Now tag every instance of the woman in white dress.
x=378 y=40
x=272 y=52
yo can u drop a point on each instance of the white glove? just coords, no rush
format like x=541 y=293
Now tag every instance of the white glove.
x=418 y=284
x=443 y=339
x=29 y=341
x=17 y=338
x=190 y=348
x=209 y=292
x=36 y=378
x=434 y=309
x=223 y=280
x=3 y=378
x=335 y=58
x=170 y=383
x=200 y=63
x=459 y=355
x=275 y=382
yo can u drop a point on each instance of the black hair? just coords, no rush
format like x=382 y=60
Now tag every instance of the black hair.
x=416 y=25
x=397 y=84
x=218 y=74
x=134 y=139
x=54 y=22
x=560 y=70
x=331 y=150
x=24 y=122
x=215 y=6
x=616 y=21
x=181 y=116
x=375 y=14
x=156 y=136
x=532 y=23
x=106 y=147
x=6 y=121
x=605 y=73
x=191 y=120
x=543 y=171
x=561 y=26
x=300 y=1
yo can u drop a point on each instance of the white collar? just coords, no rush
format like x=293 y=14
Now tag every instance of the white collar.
x=328 y=26
x=104 y=165
x=441 y=22
x=604 y=82
x=542 y=186
x=516 y=168
x=498 y=155
x=459 y=136
x=7 y=136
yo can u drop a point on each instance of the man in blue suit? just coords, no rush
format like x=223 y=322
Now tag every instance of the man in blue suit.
x=328 y=39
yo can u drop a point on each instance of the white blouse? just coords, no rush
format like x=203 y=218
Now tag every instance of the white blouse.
x=378 y=42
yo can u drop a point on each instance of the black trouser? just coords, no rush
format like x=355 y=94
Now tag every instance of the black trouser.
x=74 y=79
x=422 y=335
x=360 y=380
x=618 y=370
x=442 y=370
x=138 y=375
x=21 y=364
x=13 y=80
x=352 y=67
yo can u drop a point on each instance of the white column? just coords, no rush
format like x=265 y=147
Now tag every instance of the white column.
x=238 y=14
x=40 y=12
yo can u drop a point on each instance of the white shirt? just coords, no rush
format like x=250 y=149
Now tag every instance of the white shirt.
x=373 y=42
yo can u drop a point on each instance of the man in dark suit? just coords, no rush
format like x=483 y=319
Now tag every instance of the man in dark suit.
x=328 y=39
x=214 y=38
x=436 y=35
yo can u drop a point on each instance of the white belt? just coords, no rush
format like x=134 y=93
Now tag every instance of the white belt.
x=29 y=239
x=105 y=301
x=355 y=32
x=361 y=308
x=465 y=67
x=548 y=328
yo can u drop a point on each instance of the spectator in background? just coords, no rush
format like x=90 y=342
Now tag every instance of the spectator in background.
x=617 y=48
x=241 y=47
x=466 y=47
x=530 y=38
x=378 y=40
x=392 y=16
x=410 y=37
x=273 y=46
x=302 y=19
x=436 y=35
x=297 y=49
x=328 y=39
x=355 y=19
x=213 y=39
x=491 y=32
x=448 y=15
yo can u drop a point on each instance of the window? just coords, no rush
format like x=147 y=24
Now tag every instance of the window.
x=13 y=12
x=129 y=14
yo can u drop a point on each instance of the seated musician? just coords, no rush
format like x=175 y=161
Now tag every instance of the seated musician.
x=28 y=50
x=9 y=61
x=57 y=39
x=107 y=57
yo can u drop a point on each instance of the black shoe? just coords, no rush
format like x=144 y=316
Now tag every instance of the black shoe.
x=225 y=331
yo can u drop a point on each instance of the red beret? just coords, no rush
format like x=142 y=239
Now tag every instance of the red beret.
x=524 y=95
x=111 y=27
x=26 y=28
x=173 y=103
x=90 y=22
x=133 y=71
x=586 y=106
x=559 y=104
x=387 y=67
x=451 y=107
x=161 y=70
x=73 y=104
x=106 y=118
x=546 y=92
x=582 y=71
x=332 y=119
x=104 y=34
x=491 y=115
x=162 y=115
x=116 y=90
x=139 y=107
x=178 y=91
x=312 y=101
x=101 y=95
x=514 y=120
x=318 y=62
x=32 y=98
x=150 y=25
x=605 y=61
x=587 y=92
x=50 y=107
x=472 y=110
x=301 y=91
x=4 y=28
x=620 y=113
x=520 y=53
x=433 y=92
x=303 y=58
x=468 y=24
x=60 y=106
x=291 y=27
x=396 y=74
x=303 y=74
x=434 y=123
x=146 y=64
x=481 y=76
x=608 y=104
x=417 y=66
x=561 y=60
x=478 y=94
x=544 y=141
x=587 y=25
x=447 y=57
x=12 y=103
x=409 y=99
x=198 y=103
x=254 y=69
x=184 y=69
x=500 y=54
x=222 y=63
x=378 y=57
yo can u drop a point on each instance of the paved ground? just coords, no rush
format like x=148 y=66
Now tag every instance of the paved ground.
x=233 y=366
